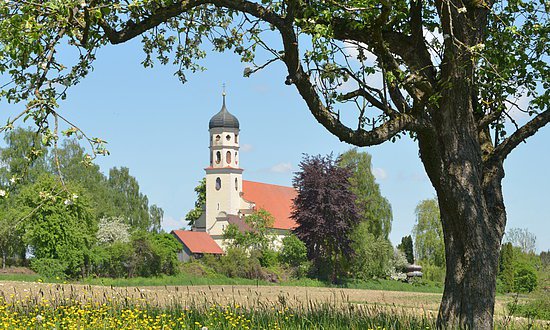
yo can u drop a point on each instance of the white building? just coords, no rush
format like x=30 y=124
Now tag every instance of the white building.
x=228 y=197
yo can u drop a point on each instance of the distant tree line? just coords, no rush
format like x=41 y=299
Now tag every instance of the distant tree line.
x=61 y=215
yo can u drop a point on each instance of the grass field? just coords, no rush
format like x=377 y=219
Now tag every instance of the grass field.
x=73 y=306
x=188 y=279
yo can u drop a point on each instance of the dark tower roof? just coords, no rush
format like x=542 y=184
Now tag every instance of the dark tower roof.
x=223 y=118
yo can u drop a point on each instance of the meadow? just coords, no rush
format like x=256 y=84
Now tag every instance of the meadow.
x=76 y=306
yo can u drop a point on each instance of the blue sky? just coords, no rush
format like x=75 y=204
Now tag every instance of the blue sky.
x=159 y=129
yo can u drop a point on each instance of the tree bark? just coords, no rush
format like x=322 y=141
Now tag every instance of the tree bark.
x=470 y=201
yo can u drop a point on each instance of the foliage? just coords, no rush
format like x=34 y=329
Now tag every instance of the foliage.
x=293 y=251
x=525 y=278
x=453 y=94
x=128 y=199
x=372 y=254
x=58 y=224
x=428 y=233
x=257 y=236
x=521 y=238
x=398 y=263
x=506 y=267
x=50 y=268
x=373 y=208
x=517 y=269
x=433 y=273
x=406 y=246
x=325 y=212
x=112 y=230
x=536 y=307
x=237 y=262
x=23 y=158
x=200 y=203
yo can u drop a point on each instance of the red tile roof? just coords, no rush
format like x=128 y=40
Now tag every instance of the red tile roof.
x=198 y=241
x=275 y=199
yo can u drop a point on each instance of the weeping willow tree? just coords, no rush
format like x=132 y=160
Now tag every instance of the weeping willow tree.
x=449 y=73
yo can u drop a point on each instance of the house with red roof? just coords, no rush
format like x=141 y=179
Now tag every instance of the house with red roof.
x=229 y=198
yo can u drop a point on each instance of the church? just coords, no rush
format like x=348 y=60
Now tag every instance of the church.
x=229 y=198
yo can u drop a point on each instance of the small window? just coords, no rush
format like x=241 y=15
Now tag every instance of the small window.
x=228 y=137
x=236 y=159
x=236 y=184
x=228 y=157
x=218 y=183
x=236 y=138
x=218 y=138
x=218 y=157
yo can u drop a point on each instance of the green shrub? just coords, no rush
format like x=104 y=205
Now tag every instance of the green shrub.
x=433 y=273
x=269 y=258
x=293 y=251
x=538 y=307
x=525 y=279
x=50 y=268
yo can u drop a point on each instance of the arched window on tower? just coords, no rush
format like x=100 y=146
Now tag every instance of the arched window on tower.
x=236 y=138
x=228 y=137
x=218 y=138
x=218 y=183
x=228 y=157
x=218 y=157
x=236 y=158
x=236 y=184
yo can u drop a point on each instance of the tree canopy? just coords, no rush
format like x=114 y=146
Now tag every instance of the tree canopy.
x=374 y=209
x=449 y=73
x=428 y=233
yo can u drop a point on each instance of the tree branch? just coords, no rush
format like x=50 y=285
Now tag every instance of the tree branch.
x=510 y=143
x=132 y=30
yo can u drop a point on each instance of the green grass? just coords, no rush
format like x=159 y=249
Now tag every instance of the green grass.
x=214 y=279
x=20 y=277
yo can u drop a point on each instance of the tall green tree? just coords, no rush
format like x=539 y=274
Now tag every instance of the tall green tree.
x=70 y=161
x=428 y=233
x=452 y=94
x=374 y=209
x=129 y=201
x=23 y=157
x=200 y=203
x=406 y=246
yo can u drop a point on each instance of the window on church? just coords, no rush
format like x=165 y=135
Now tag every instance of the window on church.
x=218 y=138
x=218 y=157
x=236 y=159
x=236 y=138
x=218 y=183
x=228 y=157
x=236 y=184
x=228 y=137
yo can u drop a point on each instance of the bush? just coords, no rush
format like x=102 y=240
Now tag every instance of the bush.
x=293 y=251
x=433 y=273
x=269 y=258
x=50 y=268
x=538 y=307
x=525 y=279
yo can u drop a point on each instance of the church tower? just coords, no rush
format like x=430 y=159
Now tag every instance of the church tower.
x=223 y=175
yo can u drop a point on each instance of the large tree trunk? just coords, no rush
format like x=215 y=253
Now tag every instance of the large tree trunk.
x=473 y=219
x=470 y=198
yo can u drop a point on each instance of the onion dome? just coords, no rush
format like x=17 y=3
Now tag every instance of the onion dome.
x=223 y=119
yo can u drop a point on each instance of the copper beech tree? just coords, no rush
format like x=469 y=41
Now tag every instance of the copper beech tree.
x=448 y=73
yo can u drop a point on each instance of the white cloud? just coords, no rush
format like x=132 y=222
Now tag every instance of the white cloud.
x=379 y=173
x=170 y=223
x=246 y=147
x=281 y=168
